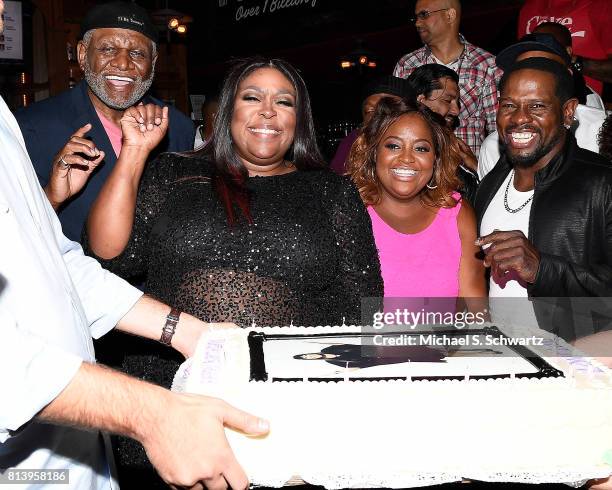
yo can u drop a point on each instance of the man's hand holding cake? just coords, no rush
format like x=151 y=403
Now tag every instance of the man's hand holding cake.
x=183 y=435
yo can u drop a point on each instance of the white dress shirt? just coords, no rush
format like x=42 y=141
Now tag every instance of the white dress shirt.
x=56 y=299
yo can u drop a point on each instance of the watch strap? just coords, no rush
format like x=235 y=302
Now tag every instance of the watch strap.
x=170 y=326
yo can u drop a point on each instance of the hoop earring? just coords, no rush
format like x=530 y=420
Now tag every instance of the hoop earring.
x=432 y=187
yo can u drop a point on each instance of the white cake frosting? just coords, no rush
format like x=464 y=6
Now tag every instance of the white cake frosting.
x=406 y=433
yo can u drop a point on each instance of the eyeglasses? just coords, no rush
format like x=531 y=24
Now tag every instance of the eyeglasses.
x=424 y=14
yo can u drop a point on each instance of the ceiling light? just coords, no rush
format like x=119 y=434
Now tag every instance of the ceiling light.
x=360 y=58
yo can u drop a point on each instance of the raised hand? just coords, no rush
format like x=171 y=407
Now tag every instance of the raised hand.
x=144 y=126
x=510 y=250
x=72 y=167
x=467 y=155
x=111 y=216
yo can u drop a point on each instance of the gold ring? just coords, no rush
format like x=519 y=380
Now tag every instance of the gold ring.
x=64 y=163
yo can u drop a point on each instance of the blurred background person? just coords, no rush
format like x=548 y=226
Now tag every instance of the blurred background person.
x=388 y=86
x=589 y=22
x=437 y=22
x=585 y=94
x=209 y=112
x=436 y=86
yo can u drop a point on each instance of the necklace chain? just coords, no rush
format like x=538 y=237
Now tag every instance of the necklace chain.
x=506 y=205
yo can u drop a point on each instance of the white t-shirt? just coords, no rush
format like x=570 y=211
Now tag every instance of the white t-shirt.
x=453 y=65
x=496 y=217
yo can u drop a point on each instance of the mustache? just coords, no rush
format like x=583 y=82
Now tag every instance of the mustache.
x=520 y=129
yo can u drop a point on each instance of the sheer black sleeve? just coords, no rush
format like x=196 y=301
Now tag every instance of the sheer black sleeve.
x=359 y=275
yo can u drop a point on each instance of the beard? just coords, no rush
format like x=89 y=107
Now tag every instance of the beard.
x=530 y=159
x=452 y=123
x=97 y=84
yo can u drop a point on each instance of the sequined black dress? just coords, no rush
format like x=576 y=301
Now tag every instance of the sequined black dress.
x=307 y=259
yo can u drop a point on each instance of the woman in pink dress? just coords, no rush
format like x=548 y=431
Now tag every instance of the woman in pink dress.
x=404 y=164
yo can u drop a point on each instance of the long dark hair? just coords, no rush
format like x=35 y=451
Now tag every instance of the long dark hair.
x=231 y=174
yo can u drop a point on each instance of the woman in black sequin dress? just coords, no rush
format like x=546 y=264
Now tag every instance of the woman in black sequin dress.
x=250 y=230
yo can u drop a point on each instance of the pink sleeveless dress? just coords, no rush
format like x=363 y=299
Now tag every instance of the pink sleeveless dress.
x=424 y=264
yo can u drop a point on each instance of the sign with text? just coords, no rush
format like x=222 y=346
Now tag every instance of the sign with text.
x=242 y=10
x=11 y=39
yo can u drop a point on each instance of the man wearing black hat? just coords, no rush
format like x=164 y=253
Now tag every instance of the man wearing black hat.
x=74 y=138
x=585 y=94
x=545 y=211
x=587 y=119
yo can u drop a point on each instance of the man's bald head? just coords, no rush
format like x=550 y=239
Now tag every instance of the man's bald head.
x=436 y=21
x=432 y=5
x=561 y=33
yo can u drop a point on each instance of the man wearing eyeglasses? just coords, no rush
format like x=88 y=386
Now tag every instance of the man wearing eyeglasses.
x=437 y=22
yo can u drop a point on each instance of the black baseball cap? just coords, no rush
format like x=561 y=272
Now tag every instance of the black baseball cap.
x=532 y=42
x=388 y=85
x=121 y=15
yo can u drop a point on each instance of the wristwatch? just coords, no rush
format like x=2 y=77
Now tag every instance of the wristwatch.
x=170 y=326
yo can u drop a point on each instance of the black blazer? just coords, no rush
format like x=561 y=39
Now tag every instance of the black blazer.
x=47 y=125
